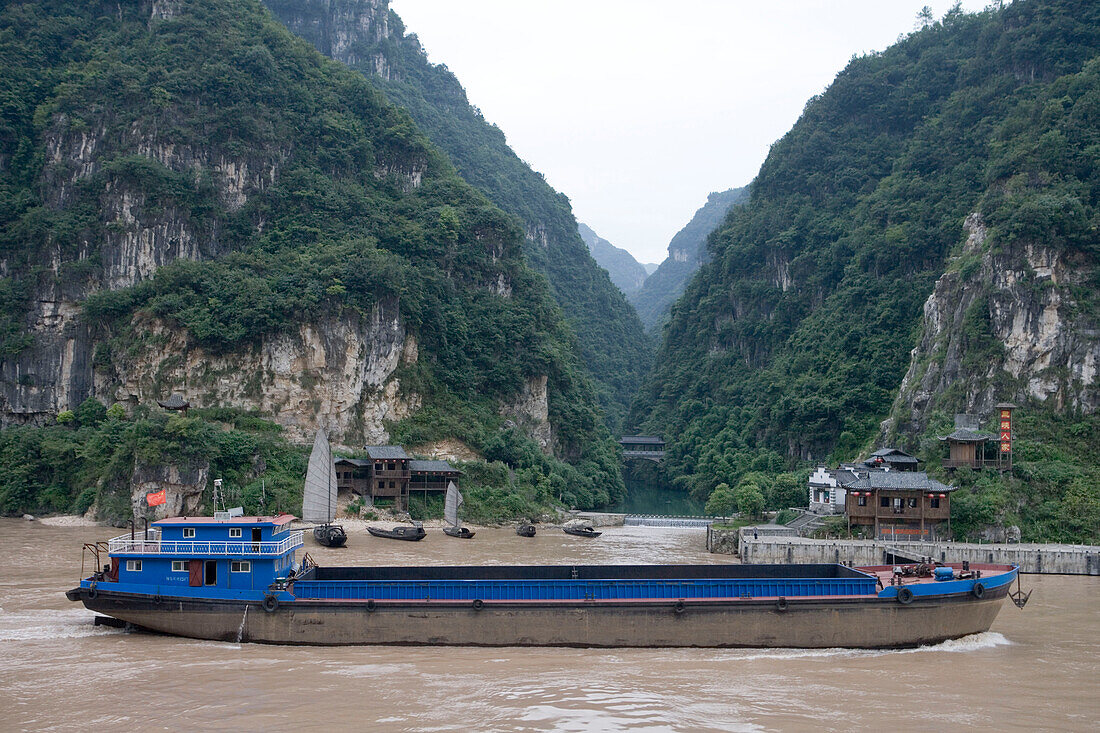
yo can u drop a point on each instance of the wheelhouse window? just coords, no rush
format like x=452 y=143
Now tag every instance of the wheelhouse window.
x=188 y=532
x=179 y=566
x=234 y=531
x=133 y=566
x=240 y=566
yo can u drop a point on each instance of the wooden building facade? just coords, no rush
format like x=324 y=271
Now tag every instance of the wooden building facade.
x=389 y=473
x=899 y=505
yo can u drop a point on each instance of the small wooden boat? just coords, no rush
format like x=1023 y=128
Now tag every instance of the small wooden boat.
x=401 y=532
x=581 y=531
x=451 y=506
x=330 y=535
x=526 y=530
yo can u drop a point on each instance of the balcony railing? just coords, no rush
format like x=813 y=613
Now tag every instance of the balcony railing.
x=152 y=546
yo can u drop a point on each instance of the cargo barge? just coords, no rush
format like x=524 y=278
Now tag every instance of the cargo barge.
x=238 y=579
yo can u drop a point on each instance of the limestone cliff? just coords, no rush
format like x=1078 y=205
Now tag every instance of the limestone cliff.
x=339 y=372
x=369 y=37
x=1005 y=322
x=193 y=200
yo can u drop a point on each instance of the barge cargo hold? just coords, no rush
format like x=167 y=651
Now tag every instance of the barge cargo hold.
x=167 y=584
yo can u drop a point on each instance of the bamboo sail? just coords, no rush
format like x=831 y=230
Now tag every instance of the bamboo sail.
x=454 y=501
x=319 y=497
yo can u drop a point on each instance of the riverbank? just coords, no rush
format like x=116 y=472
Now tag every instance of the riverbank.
x=1031 y=558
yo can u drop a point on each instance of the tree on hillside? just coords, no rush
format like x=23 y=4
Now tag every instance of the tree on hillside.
x=750 y=499
x=722 y=501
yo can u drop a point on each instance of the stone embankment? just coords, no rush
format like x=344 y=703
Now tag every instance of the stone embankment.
x=1032 y=558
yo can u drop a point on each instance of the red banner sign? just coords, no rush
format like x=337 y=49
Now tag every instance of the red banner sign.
x=1006 y=431
x=156 y=498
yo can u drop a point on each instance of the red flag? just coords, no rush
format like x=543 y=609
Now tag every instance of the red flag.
x=156 y=498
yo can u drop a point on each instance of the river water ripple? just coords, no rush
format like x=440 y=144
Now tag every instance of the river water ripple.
x=1036 y=669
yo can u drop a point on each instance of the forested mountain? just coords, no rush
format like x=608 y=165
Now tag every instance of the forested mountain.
x=369 y=37
x=923 y=242
x=193 y=200
x=686 y=252
x=625 y=271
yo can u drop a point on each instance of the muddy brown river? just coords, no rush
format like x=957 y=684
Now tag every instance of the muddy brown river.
x=1036 y=669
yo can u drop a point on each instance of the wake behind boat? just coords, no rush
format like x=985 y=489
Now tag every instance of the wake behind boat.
x=412 y=533
x=237 y=579
x=319 y=494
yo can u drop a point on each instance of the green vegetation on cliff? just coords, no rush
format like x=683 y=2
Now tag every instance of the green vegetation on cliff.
x=610 y=338
x=686 y=252
x=791 y=343
x=284 y=188
x=89 y=458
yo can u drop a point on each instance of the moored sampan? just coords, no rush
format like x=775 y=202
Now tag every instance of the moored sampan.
x=197 y=578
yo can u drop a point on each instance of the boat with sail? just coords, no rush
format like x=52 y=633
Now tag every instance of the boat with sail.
x=452 y=524
x=319 y=494
x=237 y=579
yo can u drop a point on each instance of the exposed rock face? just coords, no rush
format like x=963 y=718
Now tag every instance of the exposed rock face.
x=182 y=485
x=531 y=413
x=340 y=29
x=338 y=372
x=446 y=450
x=136 y=237
x=1002 y=324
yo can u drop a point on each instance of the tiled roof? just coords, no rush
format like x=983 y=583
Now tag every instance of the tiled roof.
x=641 y=439
x=175 y=402
x=899 y=481
x=432 y=467
x=386 y=452
x=965 y=435
x=359 y=462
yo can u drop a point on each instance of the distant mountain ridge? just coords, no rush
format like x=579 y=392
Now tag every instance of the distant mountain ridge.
x=686 y=252
x=625 y=271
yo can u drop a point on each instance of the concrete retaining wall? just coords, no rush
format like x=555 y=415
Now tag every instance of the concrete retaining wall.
x=1053 y=559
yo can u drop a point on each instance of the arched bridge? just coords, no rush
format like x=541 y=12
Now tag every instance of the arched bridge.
x=645 y=447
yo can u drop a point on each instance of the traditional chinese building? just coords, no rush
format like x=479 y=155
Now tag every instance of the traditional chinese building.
x=898 y=505
x=893 y=459
x=389 y=473
x=969 y=447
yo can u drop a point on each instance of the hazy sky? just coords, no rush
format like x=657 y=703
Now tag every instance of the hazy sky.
x=636 y=110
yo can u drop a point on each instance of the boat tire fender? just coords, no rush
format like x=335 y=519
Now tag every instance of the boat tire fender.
x=781 y=604
x=478 y=604
x=679 y=607
x=978 y=590
x=905 y=596
x=371 y=605
x=271 y=603
x=93 y=592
